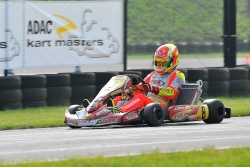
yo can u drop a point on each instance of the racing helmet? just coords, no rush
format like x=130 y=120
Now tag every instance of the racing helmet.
x=166 y=58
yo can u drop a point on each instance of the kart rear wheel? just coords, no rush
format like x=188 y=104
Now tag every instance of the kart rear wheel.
x=216 y=111
x=153 y=114
x=73 y=108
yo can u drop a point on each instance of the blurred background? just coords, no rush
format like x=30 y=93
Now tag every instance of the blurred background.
x=196 y=27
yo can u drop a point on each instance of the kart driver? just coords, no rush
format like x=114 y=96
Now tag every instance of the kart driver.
x=162 y=85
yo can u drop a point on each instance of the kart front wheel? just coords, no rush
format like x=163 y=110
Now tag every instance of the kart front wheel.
x=153 y=114
x=216 y=111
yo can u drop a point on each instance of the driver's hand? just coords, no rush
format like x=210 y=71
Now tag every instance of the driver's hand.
x=134 y=78
x=146 y=87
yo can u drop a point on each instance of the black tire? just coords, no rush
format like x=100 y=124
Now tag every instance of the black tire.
x=11 y=105
x=81 y=79
x=32 y=104
x=218 y=74
x=153 y=114
x=58 y=80
x=79 y=100
x=218 y=86
x=10 y=83
x=247 y=67
x=73 y=108
x=239 y=85
x=238 y=73
x=248 y=73
x=196 y=74
x=139 y=73
x=239 y=93
x=34 y=94
x=7 y=96
x=217 y=94
x=58 y=102
x=216 y=111
x=98 y=88
x=33 y=81
x=145 y=72
x=83 y=91
x=59 y=92
x=104 y=77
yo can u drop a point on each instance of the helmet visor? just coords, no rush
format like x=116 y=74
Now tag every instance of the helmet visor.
x=159 y=62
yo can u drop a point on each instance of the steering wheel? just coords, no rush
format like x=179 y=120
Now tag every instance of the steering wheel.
x=136 y=79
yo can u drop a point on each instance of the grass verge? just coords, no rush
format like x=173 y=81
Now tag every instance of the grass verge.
x=54 y=116
x=209 y=157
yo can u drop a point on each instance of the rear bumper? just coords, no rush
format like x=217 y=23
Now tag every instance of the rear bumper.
x=228 y=112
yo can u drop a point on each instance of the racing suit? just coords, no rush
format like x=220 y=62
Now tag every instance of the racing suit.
x=163 y=87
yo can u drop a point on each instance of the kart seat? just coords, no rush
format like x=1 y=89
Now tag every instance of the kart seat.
x=190 y=94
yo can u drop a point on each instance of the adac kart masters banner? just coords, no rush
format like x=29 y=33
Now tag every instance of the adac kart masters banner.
x=46 y=34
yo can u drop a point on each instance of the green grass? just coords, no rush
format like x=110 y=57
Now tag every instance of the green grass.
x=191 y=55
x=163 y=21
x=54 y=116
x=209 y=157
x=32 y=118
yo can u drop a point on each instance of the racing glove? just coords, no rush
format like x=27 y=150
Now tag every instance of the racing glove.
x=134 y=78
x=148 y=88
x=155 y=90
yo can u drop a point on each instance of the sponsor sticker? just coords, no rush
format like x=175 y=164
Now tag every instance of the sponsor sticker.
x=179 y=108
x=179 y=116
x=109 y=120
x=131 y=115
x=128 y=105
x=191 y=117
x=71 y=121
x=82 y=122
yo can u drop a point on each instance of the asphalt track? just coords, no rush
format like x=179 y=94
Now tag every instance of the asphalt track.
x=63 y=142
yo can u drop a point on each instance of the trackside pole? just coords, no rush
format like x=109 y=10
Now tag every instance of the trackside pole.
x=125 y=35
x=6 y=38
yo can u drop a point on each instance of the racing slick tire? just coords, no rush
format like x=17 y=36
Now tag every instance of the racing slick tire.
x=216 y=111
x=153 y=115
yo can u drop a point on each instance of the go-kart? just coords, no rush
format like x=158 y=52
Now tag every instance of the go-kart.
x=98 y=112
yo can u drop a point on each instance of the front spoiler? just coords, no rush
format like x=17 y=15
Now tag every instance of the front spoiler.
x=73 y=120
